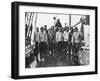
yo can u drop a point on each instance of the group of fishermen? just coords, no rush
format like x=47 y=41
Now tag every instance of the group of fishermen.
x=49 y=41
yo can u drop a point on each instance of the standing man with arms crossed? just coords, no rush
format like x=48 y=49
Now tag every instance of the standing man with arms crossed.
x=76 y=40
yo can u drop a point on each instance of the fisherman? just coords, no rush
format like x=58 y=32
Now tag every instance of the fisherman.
x=51 y=40
x=76 y=40
x=43 y=43
x=36 y=40
x=58 y=23
x=70 y=41
x=59 y=39
x=66 y=38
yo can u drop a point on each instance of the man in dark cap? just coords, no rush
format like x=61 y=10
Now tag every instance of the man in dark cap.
x=58 y=23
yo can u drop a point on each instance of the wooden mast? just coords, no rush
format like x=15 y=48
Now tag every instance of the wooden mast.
x=69 y=20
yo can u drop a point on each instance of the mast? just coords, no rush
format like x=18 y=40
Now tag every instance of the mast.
x=36 y=19
x=69 y=20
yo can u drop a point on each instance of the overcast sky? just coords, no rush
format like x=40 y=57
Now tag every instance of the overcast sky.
x=47 y=19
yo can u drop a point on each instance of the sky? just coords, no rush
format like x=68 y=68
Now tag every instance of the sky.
x=47 y=19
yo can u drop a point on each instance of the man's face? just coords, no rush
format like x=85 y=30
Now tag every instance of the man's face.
x=76 y=30
x=37 y=29
x=71 y=29
x=42 y=29
x=60 y=29
x=58 y=20
x=52 y=28
x=67 y=29
x=45 y=28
